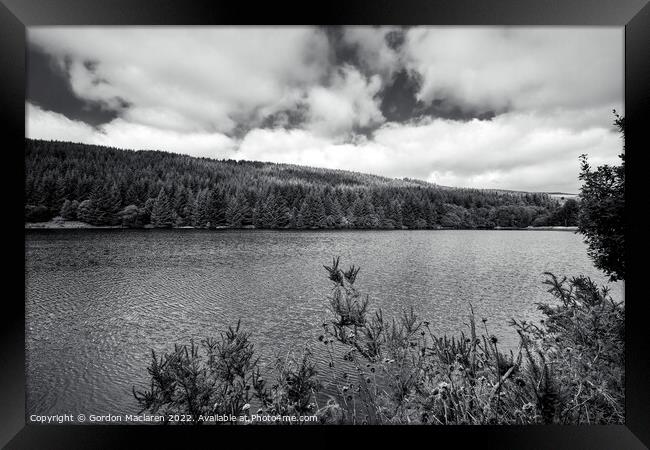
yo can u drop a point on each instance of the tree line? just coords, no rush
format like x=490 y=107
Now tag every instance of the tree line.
x=108 y=186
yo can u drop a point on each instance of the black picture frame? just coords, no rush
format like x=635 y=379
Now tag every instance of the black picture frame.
x=634 y=15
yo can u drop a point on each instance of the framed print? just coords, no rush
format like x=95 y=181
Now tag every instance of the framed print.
x=368 y=217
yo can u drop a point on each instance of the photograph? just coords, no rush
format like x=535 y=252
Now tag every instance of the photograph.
x=325 y=225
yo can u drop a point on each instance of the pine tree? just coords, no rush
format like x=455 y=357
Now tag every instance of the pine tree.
x=104 y=205
x=313 y=211
x=183 y=206
x=258 y=213
x=395 y=214
x=162 y=214
x=293 y=216
x=113 y=204
x=364 y=213
x=336 y=214
x=217 y=209
x=148 y=207
x=278 y=211
x=236 y=210
x=300 y=218
x=267 y=217
x=200 y=214
x=430 y=216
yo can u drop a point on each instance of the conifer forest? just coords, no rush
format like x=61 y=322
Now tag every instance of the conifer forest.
x=110 y=187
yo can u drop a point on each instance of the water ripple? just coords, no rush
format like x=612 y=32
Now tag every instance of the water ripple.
x=98 y=301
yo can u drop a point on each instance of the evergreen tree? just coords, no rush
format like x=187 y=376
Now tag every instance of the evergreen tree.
x=183 y=206
x=200 y=215
x=293 y=218
x=300 y=221
x=258 y=214
x=279 y=212
x=313 y=211
x=336 y=215
x=103 y=206
x=237 y=210
x=147 y=209
x=217 y=209
x=162 y=214
x=395 y=214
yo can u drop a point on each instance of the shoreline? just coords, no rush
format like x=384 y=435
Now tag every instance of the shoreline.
x=76 y=225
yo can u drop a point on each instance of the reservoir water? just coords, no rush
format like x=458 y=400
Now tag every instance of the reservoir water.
x=98 y=301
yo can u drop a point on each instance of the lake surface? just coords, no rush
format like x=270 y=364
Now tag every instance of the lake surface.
x=97 y=301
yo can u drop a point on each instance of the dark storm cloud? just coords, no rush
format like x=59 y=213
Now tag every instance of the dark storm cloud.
x=395 y=39
x=400 y=104
x=48 y=86
x=340 y=51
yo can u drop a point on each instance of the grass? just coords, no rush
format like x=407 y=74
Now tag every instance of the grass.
x=568 y=369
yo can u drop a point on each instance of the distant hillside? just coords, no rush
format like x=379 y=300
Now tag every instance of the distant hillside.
x=108 y=186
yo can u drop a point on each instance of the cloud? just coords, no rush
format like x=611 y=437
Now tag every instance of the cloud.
x=518 y=68
x=518 y=151
x=509 y=152
x=350 y=101
x=119 y=133
x=373 y=49
x=189 y=79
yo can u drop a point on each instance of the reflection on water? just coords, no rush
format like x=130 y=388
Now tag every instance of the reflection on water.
x=98 y=301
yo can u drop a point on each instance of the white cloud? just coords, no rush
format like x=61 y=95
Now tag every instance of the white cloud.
x=349 y=101
x=41 y=124
x=508 y=152
x=122 y=134
x=198 y=78
x=518 y=68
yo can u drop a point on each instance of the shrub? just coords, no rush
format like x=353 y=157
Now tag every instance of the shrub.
x=583 y=341
x=212 y=378
x=223 y=377
x=413 y=376
x=569 y=368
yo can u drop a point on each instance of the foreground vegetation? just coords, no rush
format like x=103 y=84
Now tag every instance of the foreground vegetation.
x=568 y=369
x=106 y=186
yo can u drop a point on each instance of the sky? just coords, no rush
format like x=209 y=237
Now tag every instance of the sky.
x=484 y=107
